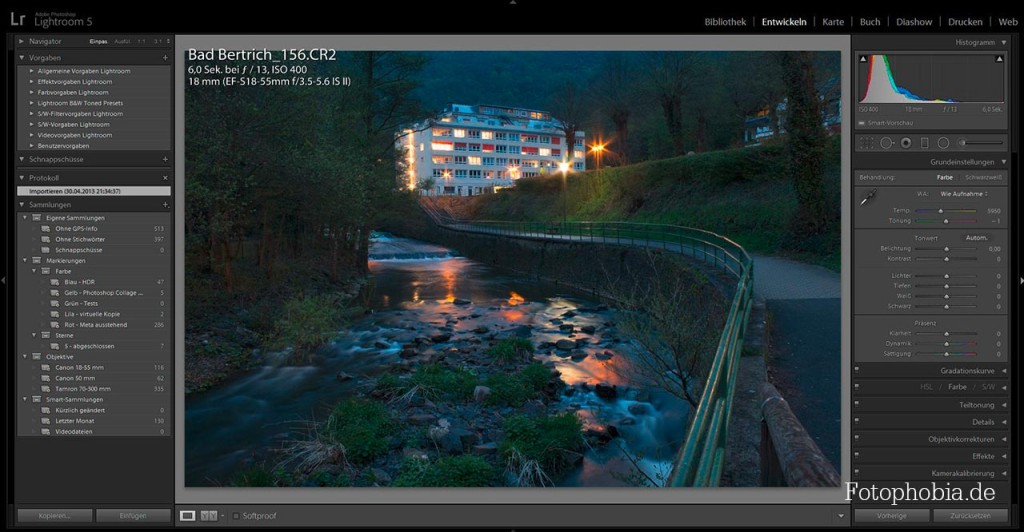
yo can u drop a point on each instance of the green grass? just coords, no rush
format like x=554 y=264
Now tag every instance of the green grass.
x=552 y=441
x=511 y=350
x=517 y=388
x=437 y=382
x=306 y=322
x=260 y=476
x=744 y=194
x=464 y=471
x=362 y=427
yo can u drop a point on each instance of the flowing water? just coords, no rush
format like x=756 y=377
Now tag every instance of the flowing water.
x=415 y=288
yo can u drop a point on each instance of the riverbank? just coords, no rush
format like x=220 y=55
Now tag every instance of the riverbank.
x=461 y=375
x=226 y=331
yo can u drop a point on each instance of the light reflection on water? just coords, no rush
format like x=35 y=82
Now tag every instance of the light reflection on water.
x=227 y=426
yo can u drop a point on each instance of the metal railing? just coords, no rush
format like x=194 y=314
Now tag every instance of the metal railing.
x=700 y=460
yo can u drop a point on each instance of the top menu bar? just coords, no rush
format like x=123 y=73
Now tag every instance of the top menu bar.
x=517 y=16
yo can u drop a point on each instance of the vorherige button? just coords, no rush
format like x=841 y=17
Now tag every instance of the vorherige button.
x=133 y=515
x=55 y=516
x=892 y=515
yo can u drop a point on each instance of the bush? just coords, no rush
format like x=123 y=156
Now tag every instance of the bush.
x=438 y=382
x=552 y=442
x=519 y=387
x=511 y=350
x=306 y=322
x=463 y=471
x=362 y=427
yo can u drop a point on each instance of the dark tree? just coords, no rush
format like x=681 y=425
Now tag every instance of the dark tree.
x=806 y=142
x=616 y=92
x=568 y=109
x=672 y=74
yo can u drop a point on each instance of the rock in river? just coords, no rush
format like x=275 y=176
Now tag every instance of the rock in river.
x=565 y=344
x=462 y=302
x=481 y=393
x=440 y=337
x=606 y=391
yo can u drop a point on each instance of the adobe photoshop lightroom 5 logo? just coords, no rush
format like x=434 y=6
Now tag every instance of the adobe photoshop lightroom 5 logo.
x=45 y=20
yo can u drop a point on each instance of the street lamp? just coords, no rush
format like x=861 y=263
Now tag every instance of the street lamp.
x=564 y=167
x=597 y=150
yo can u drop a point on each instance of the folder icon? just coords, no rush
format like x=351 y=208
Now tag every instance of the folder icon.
x=44 y=378
x=54 y=282
x=44 y=228
x=44 y=388
x=54 y=303
x=54 y=293
x=45 y=421
x=45 y=367
x=54 y=314
x=44 y=410
x=44 y=239
x=55 y=325
x=44 y=249
x=44 y=431
x=55 y=346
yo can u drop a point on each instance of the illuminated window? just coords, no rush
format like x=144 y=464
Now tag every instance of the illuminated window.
x=487 y=135
x=475 y=161
x=441 y=146
x=489 y=174
x=442 y=131
x=531 y=164
x=578 y=154
x=545 y=151
x=441 y=159
x=460 y=133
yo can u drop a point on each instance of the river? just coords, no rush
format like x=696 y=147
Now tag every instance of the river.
x=416 y=287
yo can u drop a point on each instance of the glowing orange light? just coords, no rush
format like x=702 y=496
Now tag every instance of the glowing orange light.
x=515 y=299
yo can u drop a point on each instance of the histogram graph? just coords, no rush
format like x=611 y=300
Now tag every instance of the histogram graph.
x=927 y=79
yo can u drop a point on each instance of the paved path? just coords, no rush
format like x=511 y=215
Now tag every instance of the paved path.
x=806 y=328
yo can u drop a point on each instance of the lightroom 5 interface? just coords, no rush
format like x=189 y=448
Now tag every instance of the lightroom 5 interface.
x=743 y=268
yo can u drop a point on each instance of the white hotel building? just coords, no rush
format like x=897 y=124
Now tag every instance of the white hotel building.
x=477 y=149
